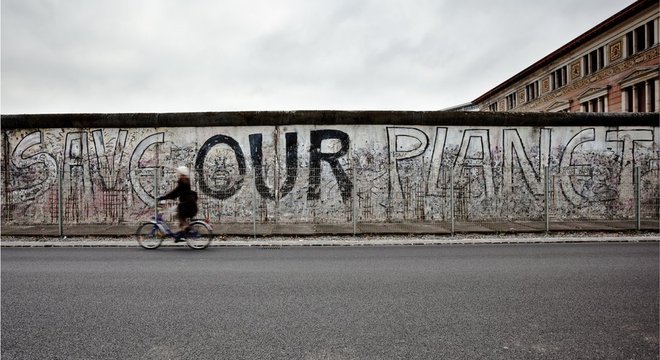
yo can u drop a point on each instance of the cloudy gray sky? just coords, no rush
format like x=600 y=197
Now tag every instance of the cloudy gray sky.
x=72 y=56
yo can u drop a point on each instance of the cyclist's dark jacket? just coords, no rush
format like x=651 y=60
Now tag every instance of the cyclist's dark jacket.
x=187 y=207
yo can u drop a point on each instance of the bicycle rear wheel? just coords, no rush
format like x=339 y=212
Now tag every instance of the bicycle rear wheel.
x=199 y=235
x=149 y=236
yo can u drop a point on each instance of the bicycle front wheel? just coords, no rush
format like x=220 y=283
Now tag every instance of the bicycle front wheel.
x=149 y=236
x=199 y=236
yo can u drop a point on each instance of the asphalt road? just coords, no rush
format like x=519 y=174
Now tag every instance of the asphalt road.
x=556 y=301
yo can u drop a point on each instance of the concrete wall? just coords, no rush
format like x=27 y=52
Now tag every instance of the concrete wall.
x=281 y=168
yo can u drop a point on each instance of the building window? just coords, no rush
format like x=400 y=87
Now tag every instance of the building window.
x=511 y=101
x=559 y=77
x=532 y=91
x=641 y=38
x=594 y=100
x=492 y=107
x=594 y=61
x=598 y=104
x=650 y=34
x=641 y=97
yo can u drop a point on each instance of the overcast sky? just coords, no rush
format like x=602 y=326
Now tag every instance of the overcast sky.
x=73 y=56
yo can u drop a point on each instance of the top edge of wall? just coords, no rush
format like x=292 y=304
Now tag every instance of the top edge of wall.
x=282 y=118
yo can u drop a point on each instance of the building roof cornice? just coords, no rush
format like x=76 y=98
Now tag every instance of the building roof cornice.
x=606 y=25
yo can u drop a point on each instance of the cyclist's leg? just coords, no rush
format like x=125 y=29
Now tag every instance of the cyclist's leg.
x=184 y=224
x=181 y=233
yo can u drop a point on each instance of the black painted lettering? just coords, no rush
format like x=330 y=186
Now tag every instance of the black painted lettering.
x=291 y=165
x=232 y=187
x=315 y=158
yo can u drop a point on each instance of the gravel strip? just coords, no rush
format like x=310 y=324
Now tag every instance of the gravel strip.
x=372 y=240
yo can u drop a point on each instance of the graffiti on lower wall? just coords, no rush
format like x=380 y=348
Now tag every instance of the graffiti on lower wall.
x=307 y=173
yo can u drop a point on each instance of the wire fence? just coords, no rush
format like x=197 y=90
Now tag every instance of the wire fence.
x=351 y=196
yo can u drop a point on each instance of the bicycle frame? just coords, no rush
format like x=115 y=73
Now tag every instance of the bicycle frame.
x=165 y=227
x=197 y=235
x=162 y=225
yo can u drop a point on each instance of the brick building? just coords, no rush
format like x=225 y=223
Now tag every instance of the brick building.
x=613 y=67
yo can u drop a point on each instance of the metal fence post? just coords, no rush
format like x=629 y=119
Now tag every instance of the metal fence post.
x=60 y=218
x=638 y=199
x=276 y=189
x=354 y=193
x=254 y=210
x=451 y=199
x=156 y=192
x=546 y=193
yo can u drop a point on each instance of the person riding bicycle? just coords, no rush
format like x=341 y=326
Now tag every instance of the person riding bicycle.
x=187 y=207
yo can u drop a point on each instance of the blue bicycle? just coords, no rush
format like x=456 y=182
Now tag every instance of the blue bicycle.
x=197 y=235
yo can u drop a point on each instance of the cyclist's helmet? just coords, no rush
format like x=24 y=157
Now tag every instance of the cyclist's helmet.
x=182 y=171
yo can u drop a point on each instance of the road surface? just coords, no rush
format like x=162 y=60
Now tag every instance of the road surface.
x=425 y=302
